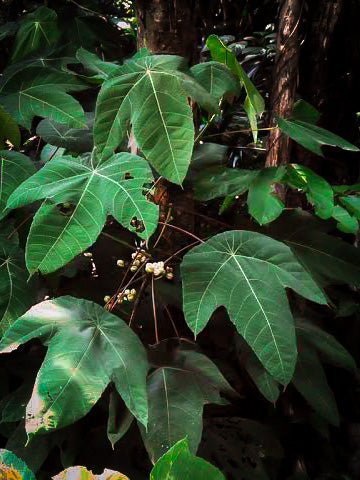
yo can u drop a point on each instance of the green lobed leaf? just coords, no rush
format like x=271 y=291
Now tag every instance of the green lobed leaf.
x=88 y=347
x=16 y=293
x=150 y=96
x=310 y=380
x=12 y=467
x=329 y=348
x=9 y=130
x=15 y=168
x=312 y=137
x=39 y=91
x=179 y=463
x=346 y=222
x=249 y=262
x=177 y=394
x=74 y=139
x=216 y=78
x=263 y=203
x=318 y=191
x=38 y=30
x=114 y=188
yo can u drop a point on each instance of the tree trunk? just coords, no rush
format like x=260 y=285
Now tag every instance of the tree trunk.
x=167 y=26
x=285 y=78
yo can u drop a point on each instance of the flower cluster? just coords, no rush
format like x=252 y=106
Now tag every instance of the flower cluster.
x=158 y=269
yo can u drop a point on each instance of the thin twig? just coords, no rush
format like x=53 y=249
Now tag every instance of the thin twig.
x=183 y=231
x=163 y=228
x=138 y=298
x=154 y=310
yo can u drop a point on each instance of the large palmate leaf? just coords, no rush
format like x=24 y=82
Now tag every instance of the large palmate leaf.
x=9 y=130
x=148 y=94
x=247 y=273
x=318 y=190
x=12 y=467
x=75 y=139
x=43 y=92
x=114 y=188
x=177 y=394
x=312 y=137
x=179 y=463
x=16 y=294
x=38 y=30
x=310 y=380
x=88 y=347
x=15 y=168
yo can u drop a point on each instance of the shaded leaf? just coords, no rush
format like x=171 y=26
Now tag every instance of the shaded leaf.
x=177 y=394
x=12 y=467
x=219 y=181
x=208 y=155
x=42 y=92
x=120 y=419
x=352 y=204
x=8 y=29
x=302 y=110
x=249 y=262
x=88 y=347
x=16 y=293
x=327 y=345
x=150 y=96
x=15 y=168
x=95 y=64
x=263 y=203
x=312 y=137
x=9 y=130
x=38 y=30
x=75 y=139
x=180 y=464
x=115 y=188
x=310 y=380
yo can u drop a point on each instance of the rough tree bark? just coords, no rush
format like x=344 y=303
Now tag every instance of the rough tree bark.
x=285 y=78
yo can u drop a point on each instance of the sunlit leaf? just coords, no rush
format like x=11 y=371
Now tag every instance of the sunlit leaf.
x=346 y=222
x=215 y=77
x=318 y=191
x=95 y=64
x=150 y=96
x=114 y=188
x=13 y=468
x=82 y=473
x=88 y=347
x=234 y=269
